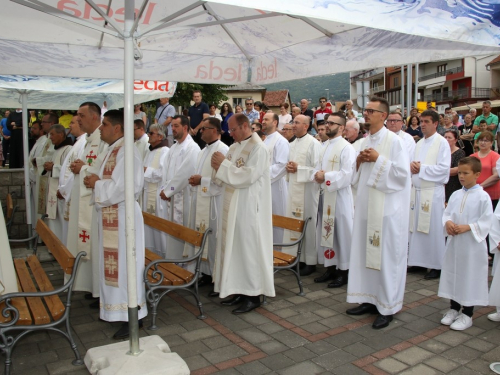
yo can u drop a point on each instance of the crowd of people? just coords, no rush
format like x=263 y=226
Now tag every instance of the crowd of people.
x=375 y=194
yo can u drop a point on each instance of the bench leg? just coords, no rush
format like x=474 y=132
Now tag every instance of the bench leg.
x=154 y=313
x=78 y=361
x=8 y=359
x=299 y=281
x=198 y=302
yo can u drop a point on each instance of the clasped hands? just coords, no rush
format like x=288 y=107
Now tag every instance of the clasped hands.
x=90 y=180
x=453 y=229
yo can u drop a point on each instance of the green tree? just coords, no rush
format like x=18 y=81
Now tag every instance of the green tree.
x=211 y=93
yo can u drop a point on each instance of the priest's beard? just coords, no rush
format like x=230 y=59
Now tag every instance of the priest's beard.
x=332 y=133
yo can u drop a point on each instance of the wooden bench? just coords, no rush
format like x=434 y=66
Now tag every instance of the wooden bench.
x=283 y=261
x=164 y=275
x=37 y=306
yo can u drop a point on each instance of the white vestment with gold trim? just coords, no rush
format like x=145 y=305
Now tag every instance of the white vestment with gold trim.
x=385 y=287
x=114 y=300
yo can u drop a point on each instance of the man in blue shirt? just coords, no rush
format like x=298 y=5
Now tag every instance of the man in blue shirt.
x=197 y=113
x=250 y=111
x=6 y=137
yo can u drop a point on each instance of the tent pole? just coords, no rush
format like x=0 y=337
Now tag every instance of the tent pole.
x=133 y=311
x=27 y=190
x=403 y=90
x=408 y=87
x=416 y=86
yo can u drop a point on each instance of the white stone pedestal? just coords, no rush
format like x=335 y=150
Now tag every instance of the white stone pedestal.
x=155 y=358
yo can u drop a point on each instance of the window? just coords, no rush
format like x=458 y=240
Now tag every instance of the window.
x=239 y=101
x=396 y=82
x=441 y=68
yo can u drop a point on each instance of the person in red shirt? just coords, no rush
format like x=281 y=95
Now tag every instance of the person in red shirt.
x=319 y=114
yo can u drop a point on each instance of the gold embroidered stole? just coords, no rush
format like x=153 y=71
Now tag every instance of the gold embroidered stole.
x=230 y=200
x=330 y=198
x=376 y=203
x=296 y=190
x=153 y=186
x=426 y=189
x=90 y=154
x=110 y=235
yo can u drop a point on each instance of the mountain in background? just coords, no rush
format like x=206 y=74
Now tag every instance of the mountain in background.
x=315 y=88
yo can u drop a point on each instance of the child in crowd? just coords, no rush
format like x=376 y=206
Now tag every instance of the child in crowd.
x=483 y=126
x=467 y=221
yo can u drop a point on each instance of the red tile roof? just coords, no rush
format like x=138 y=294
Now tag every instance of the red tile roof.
x=494 y=61
x=275 y=98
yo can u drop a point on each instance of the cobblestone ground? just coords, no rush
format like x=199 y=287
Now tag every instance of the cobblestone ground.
x=290 y=335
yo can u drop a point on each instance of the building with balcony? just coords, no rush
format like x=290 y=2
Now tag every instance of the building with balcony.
x=447 y=83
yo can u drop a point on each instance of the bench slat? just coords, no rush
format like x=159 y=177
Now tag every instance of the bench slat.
x=288 y=223
x=65 y=259
x=40 y=315
x=284 y=256
x=22 y=307
x=173 y=229
x=173 y=278
x=151 y=279
x=280 y=263
x=54 y=303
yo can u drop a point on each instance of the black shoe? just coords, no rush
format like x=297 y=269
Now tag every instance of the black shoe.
x=249 y=304
x=123 y=332
x=329 y=274
x=307 y=270
x=341 y=280
x=96 y=304
x=415 y=269
x=89 y=296
x=382 y=321
x=204 y=280
x=237 y=298
x=364 y=308
x=433 y=274
x=213 y=294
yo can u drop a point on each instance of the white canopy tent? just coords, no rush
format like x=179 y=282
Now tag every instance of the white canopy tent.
x=231 y=42
x=69 y=93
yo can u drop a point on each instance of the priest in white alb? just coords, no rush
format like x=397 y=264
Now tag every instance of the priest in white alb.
x=206 y=198
x=336 y=209
x=279 y=151
x=179 y=165
x=109 y=198
x=303 y=192
x=244 y=257
x=140 y=137
x=377 y=269
x=395 y=124
x=66 y=178
x=38 y=134
x=430 y=169
x=52 y=169
x=82 y=227
x=154 y=162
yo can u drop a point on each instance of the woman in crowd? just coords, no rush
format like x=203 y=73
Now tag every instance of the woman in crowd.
x=238 y=109
x=488 y=179
x=414 y=128
x=467 y=136
x=456 y=154
x=226 y=111
x=213 y=108
x=448 y=124
x=139 y=114
x=284 y=116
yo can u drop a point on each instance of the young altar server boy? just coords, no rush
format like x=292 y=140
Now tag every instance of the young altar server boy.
x=467 y=221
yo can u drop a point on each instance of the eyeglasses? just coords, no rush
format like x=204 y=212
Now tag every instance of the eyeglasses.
x=393 y=121
x=333 y=123
x=370 y=111
x=205 y=128
x=483 y=141
x=248 y=103
x=231 y=130
x=286 y=129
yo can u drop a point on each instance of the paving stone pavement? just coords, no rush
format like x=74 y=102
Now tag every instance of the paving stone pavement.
x=290 y=335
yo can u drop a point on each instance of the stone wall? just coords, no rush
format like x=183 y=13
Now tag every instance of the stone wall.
x=12 y=181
